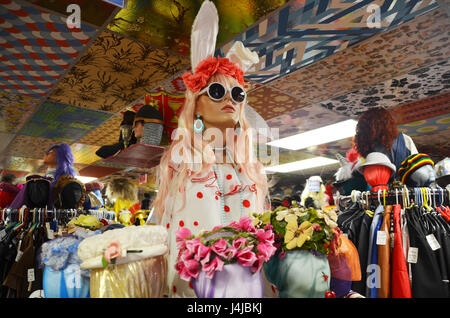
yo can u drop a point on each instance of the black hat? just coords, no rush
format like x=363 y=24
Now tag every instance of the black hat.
x=128 y=118
x=69 y=192
x=149 y=114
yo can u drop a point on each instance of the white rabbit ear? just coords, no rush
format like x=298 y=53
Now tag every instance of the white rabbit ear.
x=242 y=56
x=204 y=33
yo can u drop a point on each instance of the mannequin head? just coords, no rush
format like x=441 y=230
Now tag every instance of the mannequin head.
x=60 y=156
x=417 y=170
x=376 y=128
x=422 y=177
x=138 y=128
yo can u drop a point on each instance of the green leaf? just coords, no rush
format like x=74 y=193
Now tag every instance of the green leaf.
x=104 y=262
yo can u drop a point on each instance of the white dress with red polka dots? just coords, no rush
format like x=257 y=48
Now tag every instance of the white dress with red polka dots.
x=203 y=211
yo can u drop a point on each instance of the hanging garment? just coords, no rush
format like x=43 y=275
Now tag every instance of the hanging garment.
x=362 y=244
x=8 y=251
x=401 y=287
x=349 y=221
x=7 y=194
x=384 y=256
x=426 y=275
x=373 y=273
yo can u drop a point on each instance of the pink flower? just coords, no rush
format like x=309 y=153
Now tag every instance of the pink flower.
x=316 y=227
x=192 y=245
x=215 y=265
x=112 y=251
x=182 y=234
x=188 y=269
x=230 y=253
x=246 y=224
x=206 y=258
x=258 y=264
x=186 y=255
x=267 y=250
x=265 y=236
x=234 y=224
x=239 y=243
x=201 y=252
x=219 y=247
x=246 y=257
x=217 y=227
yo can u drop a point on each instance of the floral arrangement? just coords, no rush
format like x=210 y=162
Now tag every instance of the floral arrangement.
x=239 y=242
x=301 y=228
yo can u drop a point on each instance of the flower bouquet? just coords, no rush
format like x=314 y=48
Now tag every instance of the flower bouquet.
x=226 y=261
x=303 y=237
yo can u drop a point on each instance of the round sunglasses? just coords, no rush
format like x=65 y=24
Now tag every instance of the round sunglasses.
x=217 y=92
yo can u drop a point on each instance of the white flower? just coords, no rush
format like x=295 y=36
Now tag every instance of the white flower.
x=242 y=56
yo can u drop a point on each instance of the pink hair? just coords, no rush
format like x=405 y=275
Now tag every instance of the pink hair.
x=176 y=180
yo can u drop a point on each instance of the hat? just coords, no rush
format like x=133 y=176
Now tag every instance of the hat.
x=149 y=114
x=128 y=118
x=412 y=163
x=377 y=158
x=442 y=169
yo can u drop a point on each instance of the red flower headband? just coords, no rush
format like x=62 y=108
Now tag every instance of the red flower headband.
x=207 y=68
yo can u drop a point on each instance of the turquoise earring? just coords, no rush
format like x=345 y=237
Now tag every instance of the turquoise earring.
x=198 y=125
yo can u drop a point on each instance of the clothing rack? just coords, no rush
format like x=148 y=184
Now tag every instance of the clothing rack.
x=404 y=196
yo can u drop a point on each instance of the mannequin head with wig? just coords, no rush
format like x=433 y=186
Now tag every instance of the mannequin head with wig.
x=376 y=128
x=220 y=116
x=60 y=156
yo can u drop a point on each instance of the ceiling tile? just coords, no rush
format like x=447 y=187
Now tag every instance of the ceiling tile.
x=29 y=147
x=15 y=110
x=412 y=45
x=84 y=154
x=425 y=126
x=114 y=72
x=270 y=103
x=305 y=32
x=436 y=144
x=413 y=86
x=168 y=24
x=304 y=119
x=62 y=122
x=106 y=134
x=94 y=12
x=36 y=48
x=5 y=139
x=23 y=164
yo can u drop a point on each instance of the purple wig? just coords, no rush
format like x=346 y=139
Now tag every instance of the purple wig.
x=64 y=158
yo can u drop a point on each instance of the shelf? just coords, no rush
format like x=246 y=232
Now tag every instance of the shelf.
x=138 y=155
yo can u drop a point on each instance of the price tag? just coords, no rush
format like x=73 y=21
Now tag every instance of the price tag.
x=19 y=256
x=2 y=234
x=31 y=275
x=434 y=244
x=50 y=234
x=413 y=254
x=381 y=237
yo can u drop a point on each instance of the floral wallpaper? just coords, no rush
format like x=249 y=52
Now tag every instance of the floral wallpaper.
x=114 y=72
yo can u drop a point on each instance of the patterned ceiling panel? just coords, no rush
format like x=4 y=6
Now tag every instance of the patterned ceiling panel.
x=15 y=110
x=436 y=144
x=114 y=72
x=305 y=32
x=167 y=23
x=63 y=122
x=95 y=12
x=36 y=48
x=426 y=108
x=304 y=119
x=413 y=86
x=269 y=102
x=425 y=126
x=106 y=134
x=5 y=139
x=29 y=147
x=84 y=154
x=417 y=43
x=24 y=164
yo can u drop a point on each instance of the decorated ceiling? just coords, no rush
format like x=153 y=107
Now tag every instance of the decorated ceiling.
x=321 y=62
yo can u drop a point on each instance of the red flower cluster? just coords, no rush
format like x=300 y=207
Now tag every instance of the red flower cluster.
x=207 y=68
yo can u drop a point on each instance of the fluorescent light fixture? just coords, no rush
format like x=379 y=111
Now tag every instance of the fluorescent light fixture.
x=85 y=179
x=302 y=164
x=319 y=136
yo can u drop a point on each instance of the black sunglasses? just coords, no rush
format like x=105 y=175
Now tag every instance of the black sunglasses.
x=217 y=92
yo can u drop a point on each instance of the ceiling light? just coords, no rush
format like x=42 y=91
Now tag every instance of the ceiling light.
x=319 y=136
x=85 y=179
x=302 y=164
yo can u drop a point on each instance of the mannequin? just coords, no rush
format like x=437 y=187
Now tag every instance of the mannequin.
x=314 y=193
x=59 y=161
x=417 y=171
x=224 y=184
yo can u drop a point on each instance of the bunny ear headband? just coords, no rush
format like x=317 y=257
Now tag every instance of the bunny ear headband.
x=203 y=44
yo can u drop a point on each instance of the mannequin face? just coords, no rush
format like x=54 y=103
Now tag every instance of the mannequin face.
x=50 y=158
x=222 y=114
x=423 y=176
x=138 y=129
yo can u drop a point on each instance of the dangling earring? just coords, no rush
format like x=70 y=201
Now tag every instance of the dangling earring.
x=237 y=128
x=198 y=125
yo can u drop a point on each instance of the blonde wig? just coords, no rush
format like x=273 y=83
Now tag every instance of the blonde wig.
x=121 y=188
